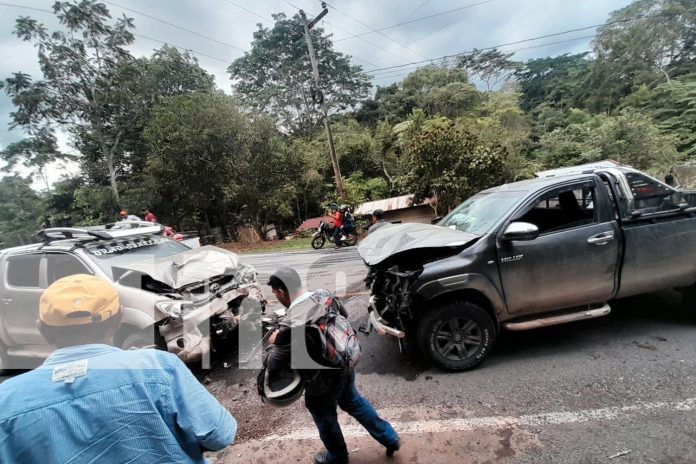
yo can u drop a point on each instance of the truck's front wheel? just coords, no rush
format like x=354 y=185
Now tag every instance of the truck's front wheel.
x=457 y=335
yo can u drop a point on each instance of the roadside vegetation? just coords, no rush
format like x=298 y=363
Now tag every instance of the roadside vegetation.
x=155 y=131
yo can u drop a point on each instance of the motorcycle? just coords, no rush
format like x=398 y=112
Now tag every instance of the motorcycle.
x=325 y=233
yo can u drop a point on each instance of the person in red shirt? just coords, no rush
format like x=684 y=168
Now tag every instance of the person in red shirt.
x=338 y=224
x=149 y=217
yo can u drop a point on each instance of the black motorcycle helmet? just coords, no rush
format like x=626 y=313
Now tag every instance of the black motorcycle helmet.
x=282 y=390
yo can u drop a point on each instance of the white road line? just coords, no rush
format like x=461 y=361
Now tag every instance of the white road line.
x=533 y=420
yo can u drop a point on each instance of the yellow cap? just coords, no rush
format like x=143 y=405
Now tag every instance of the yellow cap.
x=78 y=299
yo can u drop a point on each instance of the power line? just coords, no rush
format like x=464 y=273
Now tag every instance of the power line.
x=368 y=42
x=439 y=30
x=372 y=29
x=212 y=39
x=181 y=48
x=398 y=73
x=26 y=7
x=422 y=4
x=423 y=18
x=135 y=34
x=298 y=8
x=524 y=40
x=348 y=32
x=247 y=10
x=514 y=50
x=14 y=5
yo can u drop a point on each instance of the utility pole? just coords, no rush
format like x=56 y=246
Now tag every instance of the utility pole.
x=318 y=97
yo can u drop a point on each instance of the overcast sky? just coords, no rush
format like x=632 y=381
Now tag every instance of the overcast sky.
x=486 y=23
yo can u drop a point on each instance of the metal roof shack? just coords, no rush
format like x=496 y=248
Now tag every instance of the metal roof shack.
x=313 y=223
x=399 y=209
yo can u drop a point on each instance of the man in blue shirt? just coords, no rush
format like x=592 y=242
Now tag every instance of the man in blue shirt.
x=93 y=403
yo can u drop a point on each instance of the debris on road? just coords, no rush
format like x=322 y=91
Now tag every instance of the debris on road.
x=618 y=455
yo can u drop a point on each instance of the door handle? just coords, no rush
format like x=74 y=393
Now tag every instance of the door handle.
x=6 y=300
x=601 y=239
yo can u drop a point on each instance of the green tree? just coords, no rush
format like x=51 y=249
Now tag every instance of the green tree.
x=672 y=106
x=359 y=189
x=437 y=90
x=451 y=163
x=36 y=153
x=645 y=43
x=502 y=121
x=493 y=67
x=79 y=89
x=73 y=202
x=386 y=105
x=264 y=187
x=145 y=81
x=194 y=141
x=558 y=82
x=630 y=138
x=275 y=77
x=20 y=211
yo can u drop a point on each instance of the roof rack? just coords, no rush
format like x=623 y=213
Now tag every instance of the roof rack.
x=587 y=168
x=66 y=233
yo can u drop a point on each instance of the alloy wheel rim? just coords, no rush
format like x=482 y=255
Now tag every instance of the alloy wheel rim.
x=458 y=338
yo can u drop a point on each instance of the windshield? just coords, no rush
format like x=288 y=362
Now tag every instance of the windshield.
x=480 y=213
x=132 y=249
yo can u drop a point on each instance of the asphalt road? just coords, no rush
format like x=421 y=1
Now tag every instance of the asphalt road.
x=340 y=270
x=617 y=389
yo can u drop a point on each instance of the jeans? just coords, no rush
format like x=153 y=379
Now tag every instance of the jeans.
x=325 y=414
x=338 y=231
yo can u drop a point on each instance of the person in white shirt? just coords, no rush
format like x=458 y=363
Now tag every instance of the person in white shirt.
x=128 y=217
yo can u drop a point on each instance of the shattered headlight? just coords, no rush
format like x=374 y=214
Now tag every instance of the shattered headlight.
x=174 y=308
x=246 y=275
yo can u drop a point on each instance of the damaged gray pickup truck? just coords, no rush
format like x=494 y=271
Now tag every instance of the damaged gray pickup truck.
x=173 y=297
x=545 y=251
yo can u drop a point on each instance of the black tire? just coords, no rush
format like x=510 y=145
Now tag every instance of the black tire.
x=352 y=240
x=138 y=339
x=457 y=335
x=318 y=242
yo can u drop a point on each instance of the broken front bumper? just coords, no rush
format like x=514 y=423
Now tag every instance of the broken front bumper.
x=374 y=321
x=189 y=336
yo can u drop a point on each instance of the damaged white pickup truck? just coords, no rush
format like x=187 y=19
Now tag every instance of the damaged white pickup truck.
x=173 y=297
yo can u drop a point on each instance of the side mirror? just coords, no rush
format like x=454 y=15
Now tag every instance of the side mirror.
x=436 y=220
x=521 y=231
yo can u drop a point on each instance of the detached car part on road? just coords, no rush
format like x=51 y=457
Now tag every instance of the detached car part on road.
x=173 y=297
x=530 y=254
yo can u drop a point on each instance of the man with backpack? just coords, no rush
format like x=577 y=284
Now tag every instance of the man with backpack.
x=316 y=338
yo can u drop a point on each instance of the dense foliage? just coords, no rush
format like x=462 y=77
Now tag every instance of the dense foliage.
x=154 y=131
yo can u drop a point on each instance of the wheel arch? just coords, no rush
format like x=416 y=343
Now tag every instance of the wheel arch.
x=468 y=294
x=467 y=287
x=137 y=318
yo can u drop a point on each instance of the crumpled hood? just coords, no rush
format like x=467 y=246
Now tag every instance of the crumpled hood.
x=397 y=238
x=189 y=267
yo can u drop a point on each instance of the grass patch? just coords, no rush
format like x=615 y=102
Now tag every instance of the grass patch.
x=274 y=246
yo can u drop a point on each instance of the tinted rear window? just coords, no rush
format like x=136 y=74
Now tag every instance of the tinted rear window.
x=23 y=270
